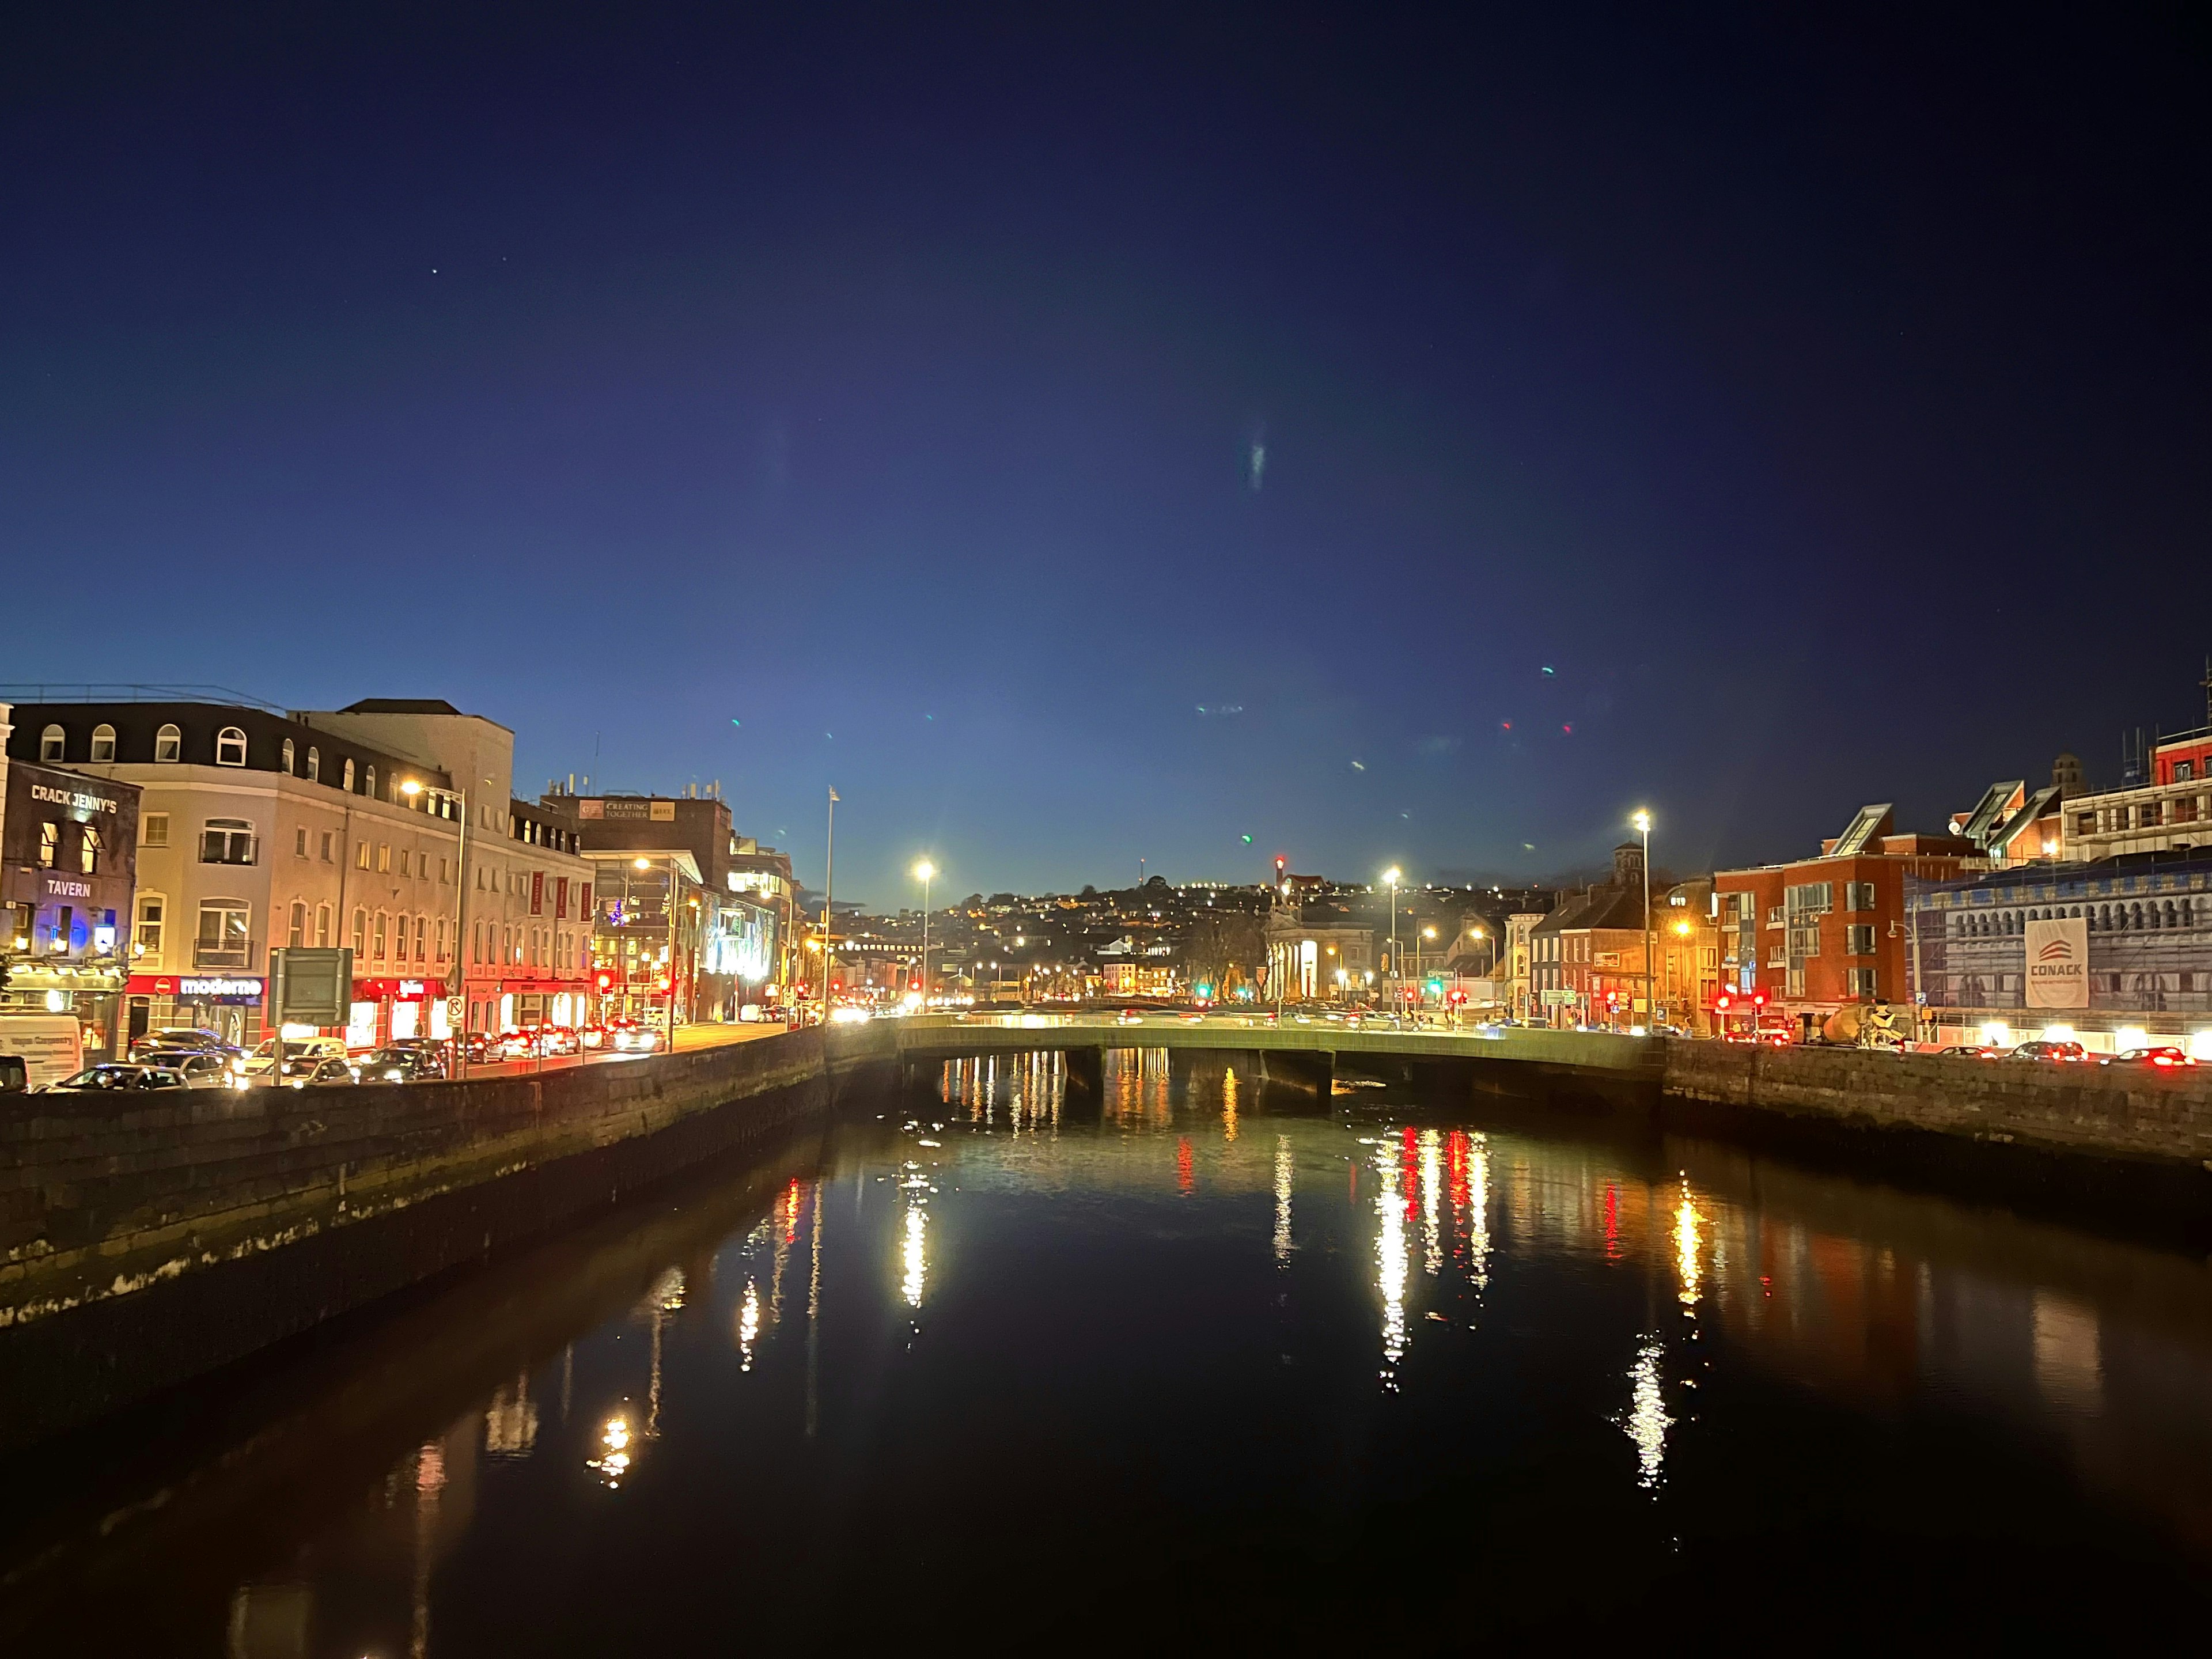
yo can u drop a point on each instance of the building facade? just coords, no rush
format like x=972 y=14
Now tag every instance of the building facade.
x=2172 y=812
x=1324 y=960
x=1586 y=957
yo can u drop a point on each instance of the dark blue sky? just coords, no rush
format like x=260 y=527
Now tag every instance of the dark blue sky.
x=1803 y=412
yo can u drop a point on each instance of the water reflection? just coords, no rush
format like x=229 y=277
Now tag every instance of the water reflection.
x=1686 y=1243
x=1647 y=1421
x=1285 y=1179
x=1390 y=1258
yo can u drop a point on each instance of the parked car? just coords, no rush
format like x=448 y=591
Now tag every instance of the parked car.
x=1128 y=1016
x=1973 y=1051
x=180 y=1039
x=481 y=1047
x=299 y=1074
x=116 y=1077
x=313 y=1047
x=390 y=1065
x=199 y=1069
x=2162 y=1058
x=2061 y=1052
x=632 y=1036
x=561 y=1040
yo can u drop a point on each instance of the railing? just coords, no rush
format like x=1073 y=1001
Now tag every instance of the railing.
x=35 y=692
x=223 y=956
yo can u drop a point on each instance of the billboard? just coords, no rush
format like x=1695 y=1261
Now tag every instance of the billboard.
x=2058 y=962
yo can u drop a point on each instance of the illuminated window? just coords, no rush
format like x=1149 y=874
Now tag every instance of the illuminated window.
x=223 y=940
x=369 y=788
x=154 y=830
x=384 y=857
x=348 y=784
x=88 y=851
x=152 y=907
x=103 y=743
x=230 y=747
x=50 y=842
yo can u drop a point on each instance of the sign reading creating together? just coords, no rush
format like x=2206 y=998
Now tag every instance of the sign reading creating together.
x=2058 y=962
x=627 y=806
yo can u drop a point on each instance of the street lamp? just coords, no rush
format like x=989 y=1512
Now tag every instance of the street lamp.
x=924 y=871
x=1643 y=822
x=1390 y=881
x=410 y=789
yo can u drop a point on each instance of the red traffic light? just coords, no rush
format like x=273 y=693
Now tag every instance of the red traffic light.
x=606 y=982
x=1721 y=1001
x=1759 y=998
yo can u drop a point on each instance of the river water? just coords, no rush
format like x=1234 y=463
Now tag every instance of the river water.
x=1200 y=1369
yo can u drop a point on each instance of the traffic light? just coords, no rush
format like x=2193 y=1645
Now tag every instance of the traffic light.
x=1759 y=998
x=1721 y=1002
x=606 y=981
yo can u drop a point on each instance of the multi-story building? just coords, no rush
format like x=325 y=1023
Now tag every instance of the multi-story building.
x=1517 y=959
x=1819 y=932
x=1586 y=956
x=69 y=845
x=687 y=925
x=256 y=828
x=1315 y=956
x=2170 y=812
x=1686 y=960
x=2119 y=952
x=524 y=906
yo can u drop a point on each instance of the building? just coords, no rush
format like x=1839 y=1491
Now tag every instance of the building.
x=524 y=906
x=256 y=828
x=2117 y=952
x=1686 y=964
x=1586 y=956
x=2171 y=812
x=1823 y=931
x=691 y=919
x=1518 y=927
x=1315 y=956
x=69 y=846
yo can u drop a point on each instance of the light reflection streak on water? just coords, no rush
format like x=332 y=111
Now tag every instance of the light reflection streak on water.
x=1391 y=1260
x=1647 y=1422
x=749 y=1323
x=1477 y=1212
x=1229 y=1105
x=613 y=1462
x=1432 y=1237
x=915 y=1254
x=1686 y=1241
x=1285 y=1170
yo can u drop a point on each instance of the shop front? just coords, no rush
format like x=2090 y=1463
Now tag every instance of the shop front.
x=520 y=1003
x=394 y=1010
x=232 y=1005
x=68 y=857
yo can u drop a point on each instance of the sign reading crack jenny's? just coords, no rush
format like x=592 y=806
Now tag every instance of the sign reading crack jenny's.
x=2058 y=962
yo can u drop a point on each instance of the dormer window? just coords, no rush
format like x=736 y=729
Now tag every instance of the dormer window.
x=103 y=743
x=168 y=744
x=287 y=757
x=370 y=789
x=52 y=741
x=315 y=764
x=349 y=775
x=230 y=747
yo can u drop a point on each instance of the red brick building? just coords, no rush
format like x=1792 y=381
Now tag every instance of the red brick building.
x=1823 y=931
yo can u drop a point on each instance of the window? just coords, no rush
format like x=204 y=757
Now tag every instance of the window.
x=326 y=845
x=1859 y=895
x=88 y=851
x=52 y=741
x=168 y=744
x=322 y=926
x=347 y=784
x=369 y=788
x=230 y=747
x=2183 y=770
x=1859 y=982
x=421 y=937
x=103 y=743
x=360 y=856
x=402 y=860
x=154 y=830
x=1858 y=941
x=2085 y=823
x=223 y=940
x=297 y=935
x=1811 y=898
x=299 y=841
x=226 y=840
x=384 y=857
x=315 y=764
x=287 y=757
x=440 y=957
x=151 y=909
x=50 y=842
x=2147 y=815
x=376 y=939
x=360 y=927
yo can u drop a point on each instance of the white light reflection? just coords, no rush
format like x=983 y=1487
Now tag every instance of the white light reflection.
x=613 y=1463
x=1390 y=1261
x=1432 y=1237
x=1285 y=1168
x=1647 y=1423
x=1687 y=1242
x=915 y=1256
x=749 y=1324
x=1478 y=1212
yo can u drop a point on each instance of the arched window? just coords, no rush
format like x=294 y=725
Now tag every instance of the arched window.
x=376 y=941
x=169 y=743
x=359 y=935
x=287 y=757
x=421 y=937
x=230 y=747
x=322 y=927
x=296 y=936
x=369 y=788
x=52 y=741
x=103 y=743
x=315 y=764
x=347 y=784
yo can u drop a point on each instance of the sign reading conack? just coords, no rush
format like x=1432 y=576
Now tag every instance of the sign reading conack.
x=2058 y=962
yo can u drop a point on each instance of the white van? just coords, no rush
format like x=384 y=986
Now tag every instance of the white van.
x=51 y=1045
x=313 y=1047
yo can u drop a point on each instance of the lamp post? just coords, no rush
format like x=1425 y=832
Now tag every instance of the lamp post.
x=925 y=869
x=411 y=789
x=1643 y=822
x=829 y=893
x=1397 y=973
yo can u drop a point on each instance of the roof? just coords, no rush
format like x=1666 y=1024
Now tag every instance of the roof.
x=400 y=705
x=1601 y=905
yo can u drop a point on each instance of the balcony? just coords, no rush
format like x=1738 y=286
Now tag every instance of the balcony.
x=235 y=954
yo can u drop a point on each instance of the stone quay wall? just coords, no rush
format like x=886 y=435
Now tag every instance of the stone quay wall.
x=2139 y=1114
x=143 y=1244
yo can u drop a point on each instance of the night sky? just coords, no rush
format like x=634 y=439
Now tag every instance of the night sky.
x=1396 y=438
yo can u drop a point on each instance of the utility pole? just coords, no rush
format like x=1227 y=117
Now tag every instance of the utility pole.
x=1643 y=822
x=828 y=901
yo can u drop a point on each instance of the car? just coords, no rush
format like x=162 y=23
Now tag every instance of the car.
x=525 y=1044
x=2162 y=1057
x=480 y=1048
x=630 y=1036
x=393 y=1064
x=592 y=1036
x=200 y=1069
x=1128 y=1016
x=561 y=1040
x=313 y=1047
x=299 y=1074
x=114 y=1076
x=180 y=1039
x=1973 y=1051
x=2040 y=1049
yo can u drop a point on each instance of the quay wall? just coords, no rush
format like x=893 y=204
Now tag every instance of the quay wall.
x=144 y=1246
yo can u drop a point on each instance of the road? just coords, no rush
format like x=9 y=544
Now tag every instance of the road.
x=689 y=1039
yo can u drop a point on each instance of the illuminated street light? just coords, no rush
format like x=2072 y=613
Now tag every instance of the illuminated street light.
x=1390 y=880
x=1641 y=820
x=923 y=871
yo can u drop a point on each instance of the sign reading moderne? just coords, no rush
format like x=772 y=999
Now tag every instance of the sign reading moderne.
x=2058 y=962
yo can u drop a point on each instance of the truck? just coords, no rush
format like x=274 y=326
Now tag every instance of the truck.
x=50 y=1045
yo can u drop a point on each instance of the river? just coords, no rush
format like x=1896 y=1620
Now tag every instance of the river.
x=1210 y=1369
